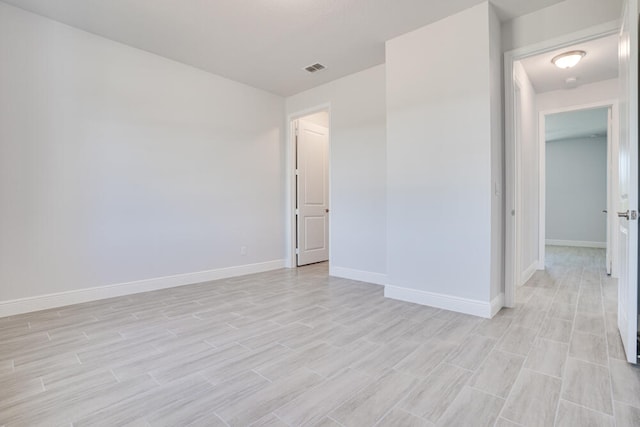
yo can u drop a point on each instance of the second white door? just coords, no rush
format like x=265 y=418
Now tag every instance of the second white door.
x=312 y=188
x=628 y=178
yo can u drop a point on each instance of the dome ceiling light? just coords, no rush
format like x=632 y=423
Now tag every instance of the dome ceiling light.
x=568 y=59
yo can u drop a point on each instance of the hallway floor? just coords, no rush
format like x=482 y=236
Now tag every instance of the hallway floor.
x=297 y=347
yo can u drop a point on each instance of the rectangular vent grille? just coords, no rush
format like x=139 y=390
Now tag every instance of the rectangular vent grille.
x=315 y=67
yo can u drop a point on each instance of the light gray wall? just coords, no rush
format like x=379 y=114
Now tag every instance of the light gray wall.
x=439 y=158
x=117 y=165
x=576 y=190
x=528 y=211
x=358 y=170
x=606 y=90
x=497 y=155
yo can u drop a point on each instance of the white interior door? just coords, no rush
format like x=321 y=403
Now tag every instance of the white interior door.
x=628 y=179
x=312 y=188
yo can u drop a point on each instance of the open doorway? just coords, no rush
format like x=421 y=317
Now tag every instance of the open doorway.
x=577 y=189
x=310 y=178
x=535 y=88
x=587 y=288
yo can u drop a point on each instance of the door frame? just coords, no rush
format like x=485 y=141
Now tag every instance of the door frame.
x=612 y=171
x=290 y=181
x=512 y=249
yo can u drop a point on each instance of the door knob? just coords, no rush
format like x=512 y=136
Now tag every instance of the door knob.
x=326 y=210
x=623 y=214
x=604 y=211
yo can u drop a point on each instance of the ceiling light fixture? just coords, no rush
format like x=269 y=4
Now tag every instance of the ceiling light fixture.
x=568 y=59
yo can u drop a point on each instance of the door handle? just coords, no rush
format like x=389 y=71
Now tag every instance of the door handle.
x=629 y=215
x=326 y=210
x=604 y=211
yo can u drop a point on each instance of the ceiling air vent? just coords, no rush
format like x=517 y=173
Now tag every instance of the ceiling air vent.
x=315 y=67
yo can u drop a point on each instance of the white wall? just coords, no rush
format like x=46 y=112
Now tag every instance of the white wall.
x=496 y=85
x=606 y=90
x=118 y=165
x=576 y=190
x=439 y=163
x=528 y=210
x=566 y=17
x=358 y=171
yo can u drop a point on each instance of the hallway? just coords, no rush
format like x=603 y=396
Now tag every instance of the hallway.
x=570 y=312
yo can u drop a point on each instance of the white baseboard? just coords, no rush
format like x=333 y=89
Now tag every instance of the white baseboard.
x=448 y=302
x=496 y=304
x=360 y=275
x=575 y=243
x=60 y=299
x=528 y=273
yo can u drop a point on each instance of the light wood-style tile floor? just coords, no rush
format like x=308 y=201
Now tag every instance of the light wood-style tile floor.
x=296 y=347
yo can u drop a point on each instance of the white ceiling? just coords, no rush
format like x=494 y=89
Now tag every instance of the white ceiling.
x=576 y=124
x=600 y=63
x=263 y=43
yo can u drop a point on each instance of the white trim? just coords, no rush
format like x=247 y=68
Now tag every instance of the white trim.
x=528 y=273
x=496 y=304
x=576 y=243
x=511 y=177
x=60 y=299
x=588 y=34
x=605 y=103
x=542 y=189
x=290 y=182
x=360 y=275
x=446 y=302
x=613 y=135
x=510 y=57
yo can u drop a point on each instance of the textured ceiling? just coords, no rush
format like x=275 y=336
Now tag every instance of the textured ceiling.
x=263 y=43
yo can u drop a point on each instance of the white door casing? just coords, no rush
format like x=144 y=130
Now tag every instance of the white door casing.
x=517 y=210
x=610 y=193
x=628 y=181
x=312 y=193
